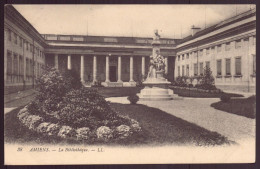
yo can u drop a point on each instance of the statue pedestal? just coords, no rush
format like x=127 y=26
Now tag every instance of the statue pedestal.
x=156 y=89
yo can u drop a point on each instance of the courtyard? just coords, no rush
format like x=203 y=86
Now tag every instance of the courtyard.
x=183 y=121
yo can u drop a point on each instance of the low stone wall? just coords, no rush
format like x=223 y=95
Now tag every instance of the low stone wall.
x=238 y=88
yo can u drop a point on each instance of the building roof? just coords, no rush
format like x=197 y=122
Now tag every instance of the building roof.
x=220 y=25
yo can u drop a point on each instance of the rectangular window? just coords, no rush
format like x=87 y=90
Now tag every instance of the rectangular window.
x=254 y=65
x=219 y=48
x=219 y=73
x=208 y=64
x=27 y=67
x=15 y=64
x=238 y=44
x=187 y=70
x=179 y=58
x=201 y=52
x=21 y=65
x=195 y=69
x=26 y=45
x=179 y=71
x=195 y=54
x=15 y=38
x=201 y=68
x=182 y=73
x=187 y=56
x=9 y=35
x=21 y=42
x=238 y=66
x=183 y=57
x=228 y=69
x=9 y=63
x=227 y=47
x=207 y=51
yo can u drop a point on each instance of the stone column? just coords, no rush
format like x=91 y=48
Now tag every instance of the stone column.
x=107 y=69
x=131 y=69
x=94 y=69
x=69 y=62
x=143 y=66
x=56 y=61
x=119 y=69
x=166 y=65
x=82 y=68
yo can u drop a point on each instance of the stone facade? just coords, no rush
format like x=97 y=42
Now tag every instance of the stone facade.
x=122 y=61
x=229 y=51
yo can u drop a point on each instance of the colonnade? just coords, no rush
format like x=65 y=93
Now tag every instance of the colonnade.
x=119 y=70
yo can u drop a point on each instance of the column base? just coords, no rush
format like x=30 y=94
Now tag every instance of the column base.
x=119 y=81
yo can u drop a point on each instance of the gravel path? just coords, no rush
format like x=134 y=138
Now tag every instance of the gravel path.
x=197 y=110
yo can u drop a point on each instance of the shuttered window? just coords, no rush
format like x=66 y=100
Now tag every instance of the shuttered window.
x=254 y=65
x=9 y=63
x=195 y=69
x=228 y=72
x=208 y=64
x=238 y=66
x=21 y=65
x=27 y=67
x=219 y=67
x=9 y=35
x=15 y=67
x=182 y=73
x=187 y=70
x=179 y=71
x=201 y=68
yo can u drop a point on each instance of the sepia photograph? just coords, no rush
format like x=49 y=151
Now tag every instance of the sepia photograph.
x=129 y=84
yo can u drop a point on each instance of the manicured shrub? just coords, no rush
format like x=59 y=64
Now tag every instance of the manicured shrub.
x=207 y=81
x=42 y=128
x=84 y=108
x=133 y=99
x=104 y=133
x=53 y=129
x=224 y=98
x=83 y=133
x=123 y=131
x=65 y=108
x=190 y=85
x=65 y=132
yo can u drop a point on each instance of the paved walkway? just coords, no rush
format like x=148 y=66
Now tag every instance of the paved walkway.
x=198 y=110
x=14 y=100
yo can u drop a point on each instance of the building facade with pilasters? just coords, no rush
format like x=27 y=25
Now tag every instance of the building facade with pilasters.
x=113 y=61
x=228 y=48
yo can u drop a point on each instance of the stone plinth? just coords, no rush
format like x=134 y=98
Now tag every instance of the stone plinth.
x=156 y=89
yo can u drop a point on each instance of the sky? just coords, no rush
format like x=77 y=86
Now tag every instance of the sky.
x=172 y=21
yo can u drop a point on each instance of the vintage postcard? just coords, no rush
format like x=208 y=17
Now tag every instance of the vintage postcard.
x=129 y=84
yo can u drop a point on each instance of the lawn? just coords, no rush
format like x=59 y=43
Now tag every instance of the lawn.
x=240 y=106
x=117 y=91
x=158 y=128
x=200 y=94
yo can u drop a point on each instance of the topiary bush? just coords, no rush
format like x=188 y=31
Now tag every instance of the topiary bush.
x=133 y=99
x=225 y=98
x=64 y=107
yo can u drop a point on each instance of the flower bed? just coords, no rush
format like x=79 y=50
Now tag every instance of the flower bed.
x=102 y=133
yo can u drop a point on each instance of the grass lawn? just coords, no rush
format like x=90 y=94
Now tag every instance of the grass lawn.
x=158 y=128
x=200 y=94
x=241 y=106
x=117 y=91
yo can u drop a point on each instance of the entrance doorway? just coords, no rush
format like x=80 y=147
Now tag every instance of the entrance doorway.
x=112 y=73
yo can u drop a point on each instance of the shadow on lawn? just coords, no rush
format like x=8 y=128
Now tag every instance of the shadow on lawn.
x=158 y=128
x=240 y=106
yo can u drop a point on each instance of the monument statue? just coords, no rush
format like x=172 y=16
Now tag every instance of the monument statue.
x=156 y=86
x=157 y=61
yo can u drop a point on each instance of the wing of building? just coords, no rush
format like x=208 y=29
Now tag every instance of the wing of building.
x=228 y=48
